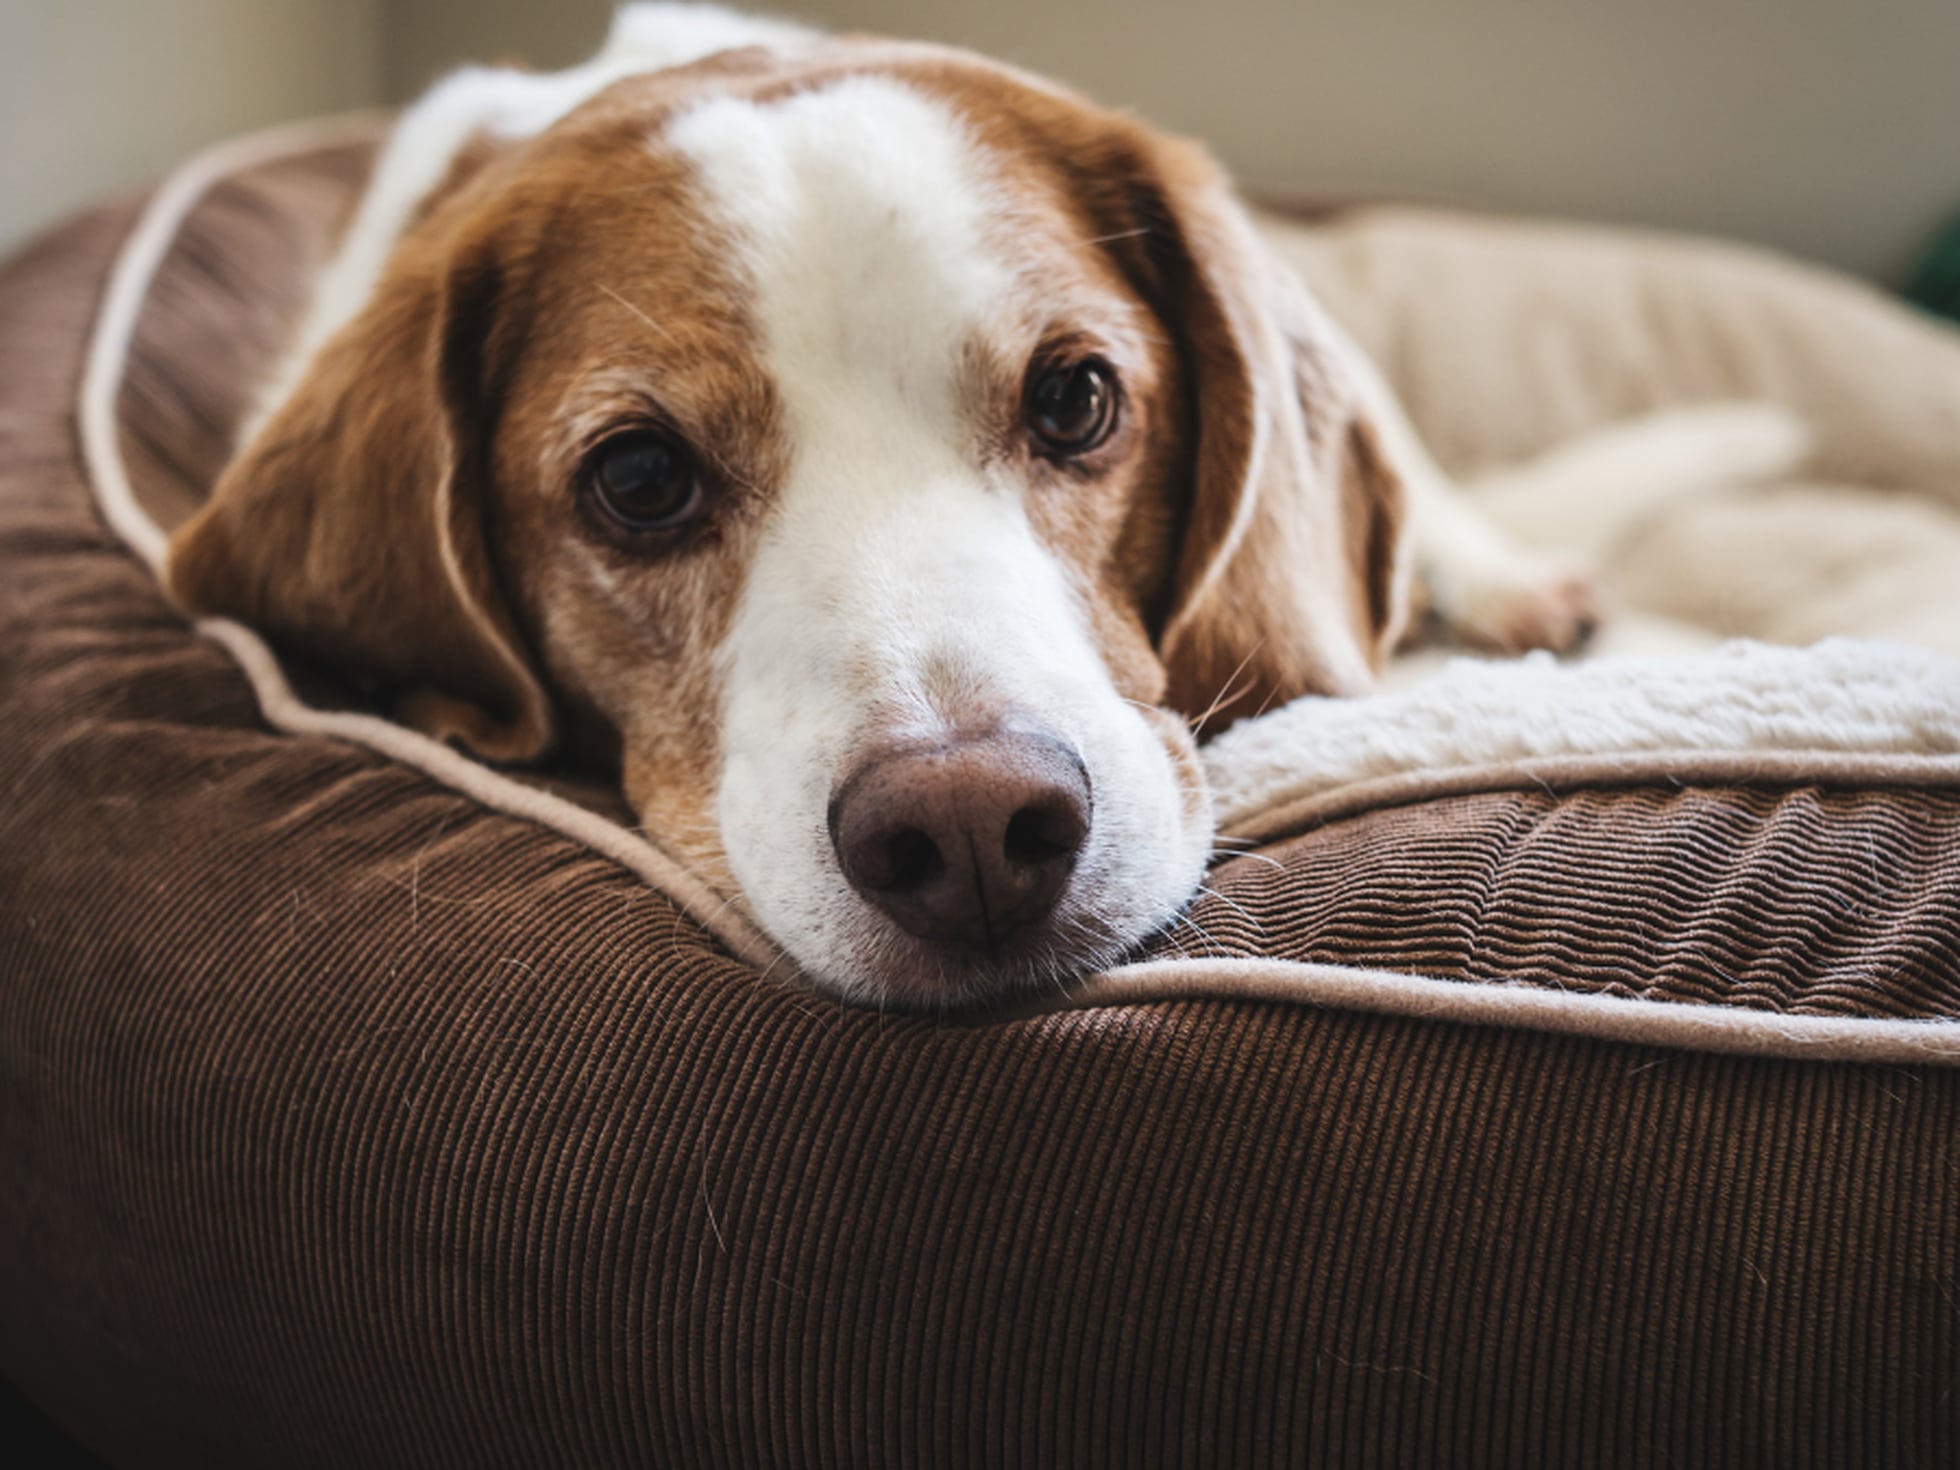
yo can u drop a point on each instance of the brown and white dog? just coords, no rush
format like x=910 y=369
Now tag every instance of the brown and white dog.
x=880 y=457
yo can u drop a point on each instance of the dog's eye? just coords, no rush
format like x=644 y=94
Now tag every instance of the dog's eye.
x=645 y=481
x=1072 y=406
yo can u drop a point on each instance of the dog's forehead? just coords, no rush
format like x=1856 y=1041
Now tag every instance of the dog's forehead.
x=912 y=218
x=864 y=220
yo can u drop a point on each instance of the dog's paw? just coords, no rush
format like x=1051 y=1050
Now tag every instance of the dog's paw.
x=1528 y=603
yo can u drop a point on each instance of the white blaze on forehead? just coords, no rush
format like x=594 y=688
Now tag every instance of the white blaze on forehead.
x=899 y=589
x=862 y=215
x=864 y=225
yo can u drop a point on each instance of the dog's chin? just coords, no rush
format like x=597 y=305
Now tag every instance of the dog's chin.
x=863 y=958
x=892 y=970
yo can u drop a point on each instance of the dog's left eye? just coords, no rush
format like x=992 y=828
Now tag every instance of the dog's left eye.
x=645 y=481
x=1071 y=407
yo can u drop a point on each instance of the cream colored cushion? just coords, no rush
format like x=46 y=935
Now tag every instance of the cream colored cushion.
x=1506 y=338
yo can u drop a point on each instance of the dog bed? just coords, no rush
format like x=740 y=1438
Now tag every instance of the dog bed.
x=1564 y=1071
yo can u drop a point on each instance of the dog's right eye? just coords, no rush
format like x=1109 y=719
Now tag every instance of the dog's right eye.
x=1071 y=407
x=645 y=481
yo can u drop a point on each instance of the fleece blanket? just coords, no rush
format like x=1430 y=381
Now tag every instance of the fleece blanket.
x=1752 y=705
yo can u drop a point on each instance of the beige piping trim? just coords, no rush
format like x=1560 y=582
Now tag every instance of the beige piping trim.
x=1838 y=769
x=1685 y=1025
x=1688 y=1026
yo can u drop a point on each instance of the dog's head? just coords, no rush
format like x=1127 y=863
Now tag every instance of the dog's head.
x=883 y=456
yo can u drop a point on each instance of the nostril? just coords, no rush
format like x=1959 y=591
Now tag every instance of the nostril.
x=912 y=861
x=1044 y=832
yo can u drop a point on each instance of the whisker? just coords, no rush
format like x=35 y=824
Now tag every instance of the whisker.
x=1225 y=692
x=1235 y=907
x=651 y=325
x=1199 y=929
x=1106 y=239
x=1251 y=857
x=1225 y=696
x=1266 y=703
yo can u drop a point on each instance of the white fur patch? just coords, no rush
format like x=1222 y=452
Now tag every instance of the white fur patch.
x=898 y=588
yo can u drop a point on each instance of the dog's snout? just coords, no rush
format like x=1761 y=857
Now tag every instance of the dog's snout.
x=968 y=842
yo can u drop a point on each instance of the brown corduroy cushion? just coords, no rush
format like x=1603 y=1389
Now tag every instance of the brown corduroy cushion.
x=1794 y=899
x=345 y=1123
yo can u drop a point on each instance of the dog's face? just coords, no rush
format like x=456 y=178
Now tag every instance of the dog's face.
x=881 y=456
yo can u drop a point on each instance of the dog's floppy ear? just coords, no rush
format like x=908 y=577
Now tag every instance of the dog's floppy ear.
x=1292 y=574
x=350 y=529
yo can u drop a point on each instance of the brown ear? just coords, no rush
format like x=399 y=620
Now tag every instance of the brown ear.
x=350 y=529
x=1292 y=574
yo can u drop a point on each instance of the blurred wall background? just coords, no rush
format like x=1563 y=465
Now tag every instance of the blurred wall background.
x=1824 y=127
x=102 y=95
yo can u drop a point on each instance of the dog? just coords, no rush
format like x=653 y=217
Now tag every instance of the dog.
x=884 y=460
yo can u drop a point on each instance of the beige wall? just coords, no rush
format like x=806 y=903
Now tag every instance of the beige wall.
x=424 y=38
x=1827 y=127
x=101 y=95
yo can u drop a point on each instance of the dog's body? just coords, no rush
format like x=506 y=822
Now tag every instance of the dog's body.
x=882 y=456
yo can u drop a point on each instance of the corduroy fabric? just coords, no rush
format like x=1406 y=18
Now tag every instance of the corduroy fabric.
x=347 y=1123
x=1799 y=900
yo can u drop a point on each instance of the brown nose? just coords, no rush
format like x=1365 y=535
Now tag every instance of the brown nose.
x=966 y=842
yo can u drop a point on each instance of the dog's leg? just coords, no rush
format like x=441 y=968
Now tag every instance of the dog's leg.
x=1583 y=496
x=1494 y=566
x=1512 y=570
x=1487 y=588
